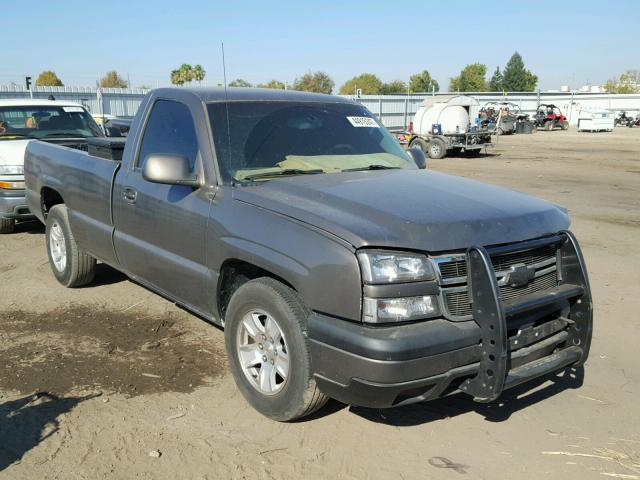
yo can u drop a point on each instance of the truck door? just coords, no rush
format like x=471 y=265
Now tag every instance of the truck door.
x=160 y=229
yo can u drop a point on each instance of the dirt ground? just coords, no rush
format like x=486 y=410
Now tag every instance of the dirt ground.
x=95 y=379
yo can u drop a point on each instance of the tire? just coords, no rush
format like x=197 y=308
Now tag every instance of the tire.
x=71 y=266
x=436 y=148
x=564 y=125
x=266 y=322
x=7 y=225
x=548 y=126
x=419 y=143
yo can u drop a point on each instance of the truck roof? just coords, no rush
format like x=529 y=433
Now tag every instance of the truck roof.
x=239 y=94
x=39 y=102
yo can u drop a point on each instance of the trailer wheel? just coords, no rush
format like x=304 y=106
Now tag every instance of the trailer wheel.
x=437 y=148
x=418 y=142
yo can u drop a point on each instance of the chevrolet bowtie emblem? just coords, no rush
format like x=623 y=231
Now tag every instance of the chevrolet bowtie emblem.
x=518 y=275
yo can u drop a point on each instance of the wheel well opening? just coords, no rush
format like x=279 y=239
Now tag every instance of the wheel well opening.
x=49 y=198
x=234 y=274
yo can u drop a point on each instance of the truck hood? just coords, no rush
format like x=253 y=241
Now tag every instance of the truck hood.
x=12 y=151
x=422 y=210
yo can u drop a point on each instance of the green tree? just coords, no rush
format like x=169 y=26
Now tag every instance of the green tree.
x=238 y=82
x=113 y=80
x=184 y=74
x=48 y=78
x=496 y=82
x=367 y=82
x=318 y=82
x=394 y=86
x=471 y=79
x=199 y=73
x=422 y=82
x=276 y=84
x=628 y=82
x=516 y=78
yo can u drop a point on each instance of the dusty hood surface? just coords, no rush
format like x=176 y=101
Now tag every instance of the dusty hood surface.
x=421 y=210
x=12 y=151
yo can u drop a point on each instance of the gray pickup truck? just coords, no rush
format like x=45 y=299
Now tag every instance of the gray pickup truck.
x=337 y=265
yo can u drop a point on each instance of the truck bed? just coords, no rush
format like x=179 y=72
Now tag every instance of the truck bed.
x=84 y=182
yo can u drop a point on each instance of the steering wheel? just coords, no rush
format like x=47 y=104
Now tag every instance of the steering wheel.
x=342 y=148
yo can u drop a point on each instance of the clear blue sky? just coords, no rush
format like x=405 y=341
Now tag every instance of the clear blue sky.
x=563 y=42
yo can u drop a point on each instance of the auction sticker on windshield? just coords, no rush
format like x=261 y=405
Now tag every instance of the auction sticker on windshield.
x=363 y=122
x=73 y=109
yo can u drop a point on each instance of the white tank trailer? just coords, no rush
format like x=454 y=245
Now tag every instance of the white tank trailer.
x=445 y=124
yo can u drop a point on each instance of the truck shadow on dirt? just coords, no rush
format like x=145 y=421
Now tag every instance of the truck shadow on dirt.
x=511 y=401
x=30 y=420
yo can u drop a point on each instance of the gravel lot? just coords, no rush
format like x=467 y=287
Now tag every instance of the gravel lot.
x=93 y=380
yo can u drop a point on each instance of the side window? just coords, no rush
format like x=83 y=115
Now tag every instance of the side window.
x=170 y=130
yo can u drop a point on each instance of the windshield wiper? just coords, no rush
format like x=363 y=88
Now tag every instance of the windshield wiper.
x=370 y=167
x=63 y=134
x=285 y=172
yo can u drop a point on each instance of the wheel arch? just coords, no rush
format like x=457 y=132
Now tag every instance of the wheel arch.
x=234 y=273
x=49 y=197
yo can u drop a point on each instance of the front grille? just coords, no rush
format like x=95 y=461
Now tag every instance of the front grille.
x=456 y=268
x=453 y=273
x=458 y=304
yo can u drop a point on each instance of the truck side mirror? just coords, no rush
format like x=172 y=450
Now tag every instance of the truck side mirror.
x=169 y=170
x=418 y=156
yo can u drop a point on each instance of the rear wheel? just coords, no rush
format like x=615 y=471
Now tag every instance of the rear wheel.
x=268 y=351
x=70 y=265
x=7 y=225
x=437 y=148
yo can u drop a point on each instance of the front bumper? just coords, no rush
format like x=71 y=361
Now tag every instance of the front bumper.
x=397 y=365
x=13 y=204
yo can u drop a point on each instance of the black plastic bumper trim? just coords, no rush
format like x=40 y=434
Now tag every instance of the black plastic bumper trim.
x=394 y=342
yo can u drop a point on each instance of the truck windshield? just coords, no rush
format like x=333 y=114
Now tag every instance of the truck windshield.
x=274 y=139
x=19 y=122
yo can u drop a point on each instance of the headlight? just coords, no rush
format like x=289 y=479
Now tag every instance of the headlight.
x=385 y=310
x=11 y=170
x=379 y=267
x=12 y=185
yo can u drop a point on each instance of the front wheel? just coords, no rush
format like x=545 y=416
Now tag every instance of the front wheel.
x=268 y=351
x=70 y=265
x=418 y=142
x=564 y=125
x=7 y=225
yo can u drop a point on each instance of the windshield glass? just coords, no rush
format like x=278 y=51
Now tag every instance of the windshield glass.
x=271 y=139
x=46 y=122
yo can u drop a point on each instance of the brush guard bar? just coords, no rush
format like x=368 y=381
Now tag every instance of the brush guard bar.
x=490 y=313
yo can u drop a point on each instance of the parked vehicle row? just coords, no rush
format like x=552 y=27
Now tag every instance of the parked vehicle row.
x=336 y=263
x=56 y=122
